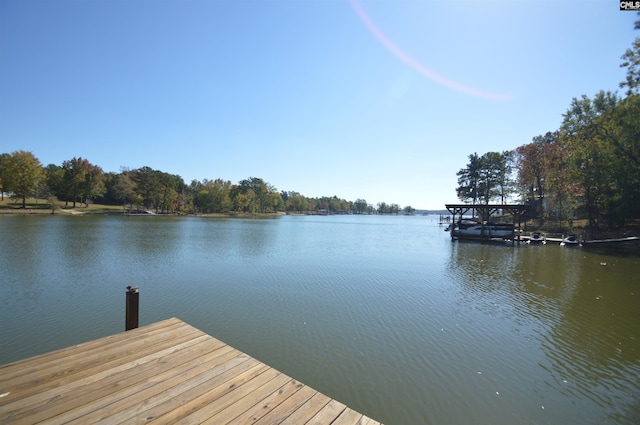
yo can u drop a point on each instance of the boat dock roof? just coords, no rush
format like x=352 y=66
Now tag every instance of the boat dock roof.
x=165 y=373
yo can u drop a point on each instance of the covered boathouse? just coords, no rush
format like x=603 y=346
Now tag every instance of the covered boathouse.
x=484 y=212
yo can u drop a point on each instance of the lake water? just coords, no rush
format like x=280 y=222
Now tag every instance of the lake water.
x=385 y=314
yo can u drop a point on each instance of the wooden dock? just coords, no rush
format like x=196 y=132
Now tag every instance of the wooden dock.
x=165 y=373
x=625 y=239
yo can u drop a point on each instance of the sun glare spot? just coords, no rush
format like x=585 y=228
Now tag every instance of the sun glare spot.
x=417 y=66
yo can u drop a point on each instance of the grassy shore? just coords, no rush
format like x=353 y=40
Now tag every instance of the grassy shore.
x=40 y=206
x=581 y=227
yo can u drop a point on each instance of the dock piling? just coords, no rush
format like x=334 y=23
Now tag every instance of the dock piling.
x=131 y=308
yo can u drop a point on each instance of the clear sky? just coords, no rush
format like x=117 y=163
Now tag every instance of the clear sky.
x=382 y=100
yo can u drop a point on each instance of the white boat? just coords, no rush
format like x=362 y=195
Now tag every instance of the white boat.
x=537 y=238
x=471 y=229
x=570 y=240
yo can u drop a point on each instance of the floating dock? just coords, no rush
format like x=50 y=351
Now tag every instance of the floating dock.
x=626 y=239
x=164 y=373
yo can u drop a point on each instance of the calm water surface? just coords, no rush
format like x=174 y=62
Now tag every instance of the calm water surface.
x=385 y=314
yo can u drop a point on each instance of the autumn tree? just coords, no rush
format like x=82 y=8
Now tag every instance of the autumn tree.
x=169 y=195
x=22 y=174
x=561 y=191
x=533 y=163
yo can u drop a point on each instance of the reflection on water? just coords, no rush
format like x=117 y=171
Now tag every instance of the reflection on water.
x=580 y=309
x=383 y=313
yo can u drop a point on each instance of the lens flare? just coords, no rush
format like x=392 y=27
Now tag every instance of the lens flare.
x=417 y=66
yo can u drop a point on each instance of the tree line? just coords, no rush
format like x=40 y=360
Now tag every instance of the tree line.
x=79 y=181
x=588 y=168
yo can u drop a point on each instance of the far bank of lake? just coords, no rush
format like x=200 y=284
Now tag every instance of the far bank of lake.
x=385 y=314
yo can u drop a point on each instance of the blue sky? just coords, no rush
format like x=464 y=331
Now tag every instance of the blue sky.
x=382 y=100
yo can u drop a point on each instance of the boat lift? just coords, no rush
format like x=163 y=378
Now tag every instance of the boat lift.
x=484 y=211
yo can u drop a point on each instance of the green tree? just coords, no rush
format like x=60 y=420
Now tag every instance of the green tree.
x=253 y=189
x=274 y=202
x=619 y=128
x=148 y=185
x=54 y=175
x=631 y=61
x=469 y=180
x=384 y=208
x=221 y=191
x=81 y=181
x=504 y=173
x=335 y=205
x=591 y=158
x=53 y=203
x=4 y=163
x=255 y=195
x=125 y=188
x=204 y=201
x=22 y=172
x=485 y=178
x=244 y=201
x=488 y=176
x=213 y=196
x=171 y=186
x=295 y=202
x=73 y=179
x=93 y=186
x=108 y=197
x=346 y=206
x=360 y=206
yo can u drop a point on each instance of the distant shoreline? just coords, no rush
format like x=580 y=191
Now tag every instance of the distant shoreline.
x=11 y=207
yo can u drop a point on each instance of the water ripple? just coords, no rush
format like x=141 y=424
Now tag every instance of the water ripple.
x=385 y=314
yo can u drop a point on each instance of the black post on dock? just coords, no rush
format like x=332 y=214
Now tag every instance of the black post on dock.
x=132 y=304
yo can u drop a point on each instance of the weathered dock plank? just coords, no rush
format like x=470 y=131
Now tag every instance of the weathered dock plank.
x=165 y=373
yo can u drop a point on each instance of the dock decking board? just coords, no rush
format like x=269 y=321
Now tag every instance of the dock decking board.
x=165 y=373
